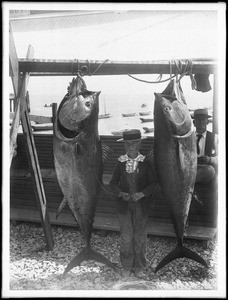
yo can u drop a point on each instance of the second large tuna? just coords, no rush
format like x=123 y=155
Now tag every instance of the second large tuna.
x=175 y=161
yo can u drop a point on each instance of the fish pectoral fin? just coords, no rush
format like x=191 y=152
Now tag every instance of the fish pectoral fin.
x=78 y=149
x=196 y=197
x=88 y=254
x=150 y=156
x=106 y=152
x=180 y=252
x=61 y=206
x=181 y=155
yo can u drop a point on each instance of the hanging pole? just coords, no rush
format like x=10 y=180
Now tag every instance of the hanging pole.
x=48 y=67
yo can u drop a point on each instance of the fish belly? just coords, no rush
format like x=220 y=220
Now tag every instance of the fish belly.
x=175 y=163
x=79 y=177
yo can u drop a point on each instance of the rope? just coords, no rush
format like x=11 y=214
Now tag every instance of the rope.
x=188 y=71
x=89 y=67
x=82 y=71
x=170 y=70
x=99 y=66
x=72 y=67
x=179 y=70
x=150 y=81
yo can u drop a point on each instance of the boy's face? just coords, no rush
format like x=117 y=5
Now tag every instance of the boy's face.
x=200 y=123
x=132 y=148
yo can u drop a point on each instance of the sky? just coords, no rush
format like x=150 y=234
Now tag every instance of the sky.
x=166 y=35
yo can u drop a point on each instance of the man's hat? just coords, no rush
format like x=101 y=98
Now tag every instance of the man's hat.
x=200 y=112
x=132 y=135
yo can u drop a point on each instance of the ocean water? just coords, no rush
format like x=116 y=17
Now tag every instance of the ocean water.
x=113 y=104
x=119 y=94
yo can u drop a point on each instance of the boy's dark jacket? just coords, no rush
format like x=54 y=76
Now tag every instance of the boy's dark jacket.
x=146 y=182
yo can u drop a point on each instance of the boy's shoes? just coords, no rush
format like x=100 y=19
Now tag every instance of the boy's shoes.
x=126 y=273
x=141 y=274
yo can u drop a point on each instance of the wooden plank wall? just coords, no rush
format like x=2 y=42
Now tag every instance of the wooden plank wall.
x=22 y=194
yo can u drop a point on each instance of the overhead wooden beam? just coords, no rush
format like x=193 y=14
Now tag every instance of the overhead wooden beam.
x=40 y=67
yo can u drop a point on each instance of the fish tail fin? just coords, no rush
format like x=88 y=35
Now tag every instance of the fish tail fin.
x=61 y=206
x=88 y=254
x=180 y=252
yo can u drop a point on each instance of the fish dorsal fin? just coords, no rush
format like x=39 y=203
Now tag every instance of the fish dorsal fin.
x=77 y=85
x=150 y=158
x=106 y=152
x=169 y=90
x=174 y=91
x=78 y=150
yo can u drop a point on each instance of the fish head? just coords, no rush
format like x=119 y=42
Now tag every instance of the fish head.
x=175 y=113
x=78 y=110
x=83 y=106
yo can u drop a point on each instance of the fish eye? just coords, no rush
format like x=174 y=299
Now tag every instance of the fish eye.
x=167 y=108
x=88 y=104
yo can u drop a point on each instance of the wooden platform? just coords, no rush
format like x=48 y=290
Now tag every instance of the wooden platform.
x=23 y=206
x=112 y=223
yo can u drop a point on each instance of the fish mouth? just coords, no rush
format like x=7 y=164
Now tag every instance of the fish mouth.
x=73 y=133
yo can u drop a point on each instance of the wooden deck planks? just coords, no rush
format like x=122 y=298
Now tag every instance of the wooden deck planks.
x=202 y=218
x=110 y=222
x=22 y=193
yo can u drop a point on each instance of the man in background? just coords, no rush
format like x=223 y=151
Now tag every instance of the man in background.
x=207 y=148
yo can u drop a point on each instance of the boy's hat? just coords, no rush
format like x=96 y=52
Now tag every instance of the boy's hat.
x=201 y=111
x=132 y=135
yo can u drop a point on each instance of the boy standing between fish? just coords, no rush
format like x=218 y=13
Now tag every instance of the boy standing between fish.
x=134 y=182
x=207 y=148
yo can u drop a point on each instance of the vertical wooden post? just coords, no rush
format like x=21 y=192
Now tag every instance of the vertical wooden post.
x=37 y=178
x=14 y=65
x=14 y=131
x=215 y=103
x=54 y=114
x=20 y=87
x=34 y=166
x=16 y=80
